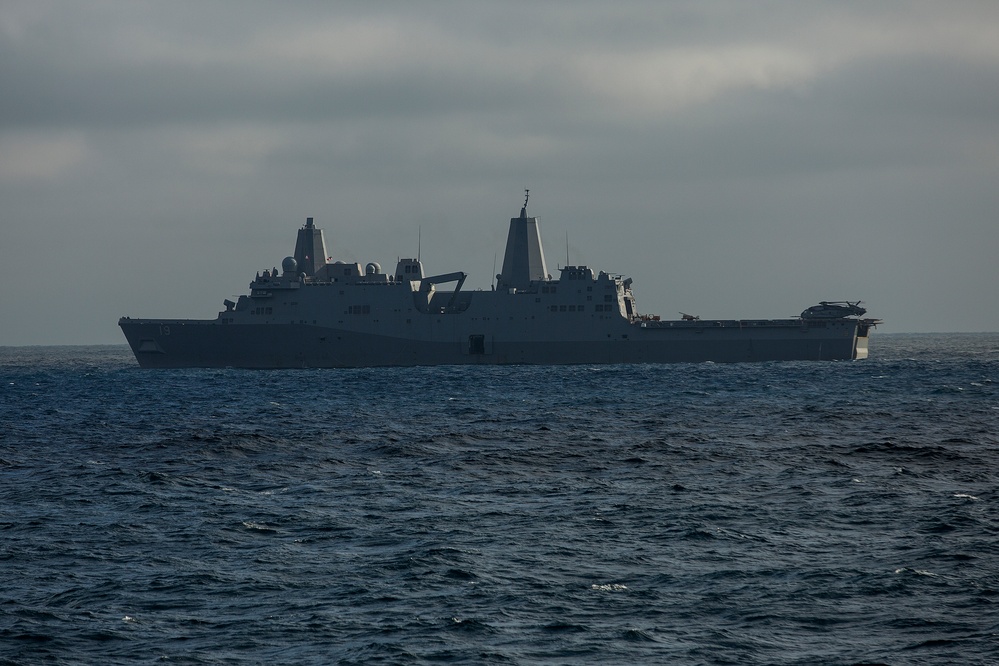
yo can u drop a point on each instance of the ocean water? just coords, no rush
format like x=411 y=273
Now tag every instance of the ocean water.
x=778 y=513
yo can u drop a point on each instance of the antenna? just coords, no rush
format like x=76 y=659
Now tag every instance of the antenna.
x=527 y=195
x=492 y=280
x=566 y=247
x=419 y=241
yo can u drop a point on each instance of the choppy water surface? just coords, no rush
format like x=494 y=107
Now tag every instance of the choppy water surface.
x=790 y=513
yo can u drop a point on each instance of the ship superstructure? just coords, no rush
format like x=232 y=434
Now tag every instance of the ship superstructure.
x=315 y=312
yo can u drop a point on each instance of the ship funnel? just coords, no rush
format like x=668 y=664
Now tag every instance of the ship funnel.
x=524 y=260
x=310 y=249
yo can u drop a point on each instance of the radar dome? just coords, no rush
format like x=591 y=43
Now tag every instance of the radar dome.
x=289 y=265
x=373 y=268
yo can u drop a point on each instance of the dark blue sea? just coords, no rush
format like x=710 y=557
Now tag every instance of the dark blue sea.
x=775 y=513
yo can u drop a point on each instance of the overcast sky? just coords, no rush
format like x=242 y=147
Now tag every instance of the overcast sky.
x=737 y=159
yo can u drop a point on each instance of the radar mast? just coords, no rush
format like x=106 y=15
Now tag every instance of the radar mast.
x=524 y=260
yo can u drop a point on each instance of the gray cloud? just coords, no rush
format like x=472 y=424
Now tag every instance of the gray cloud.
x=736 y=159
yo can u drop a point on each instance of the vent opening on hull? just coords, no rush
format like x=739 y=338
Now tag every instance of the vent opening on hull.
x=149 y=346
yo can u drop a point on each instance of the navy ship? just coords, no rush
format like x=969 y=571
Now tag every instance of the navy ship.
x=318 y=313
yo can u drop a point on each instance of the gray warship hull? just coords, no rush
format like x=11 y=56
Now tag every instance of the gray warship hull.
x=178 y=343
x=318 y=314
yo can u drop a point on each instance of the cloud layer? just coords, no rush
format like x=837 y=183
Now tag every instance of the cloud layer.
x=738 y=160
